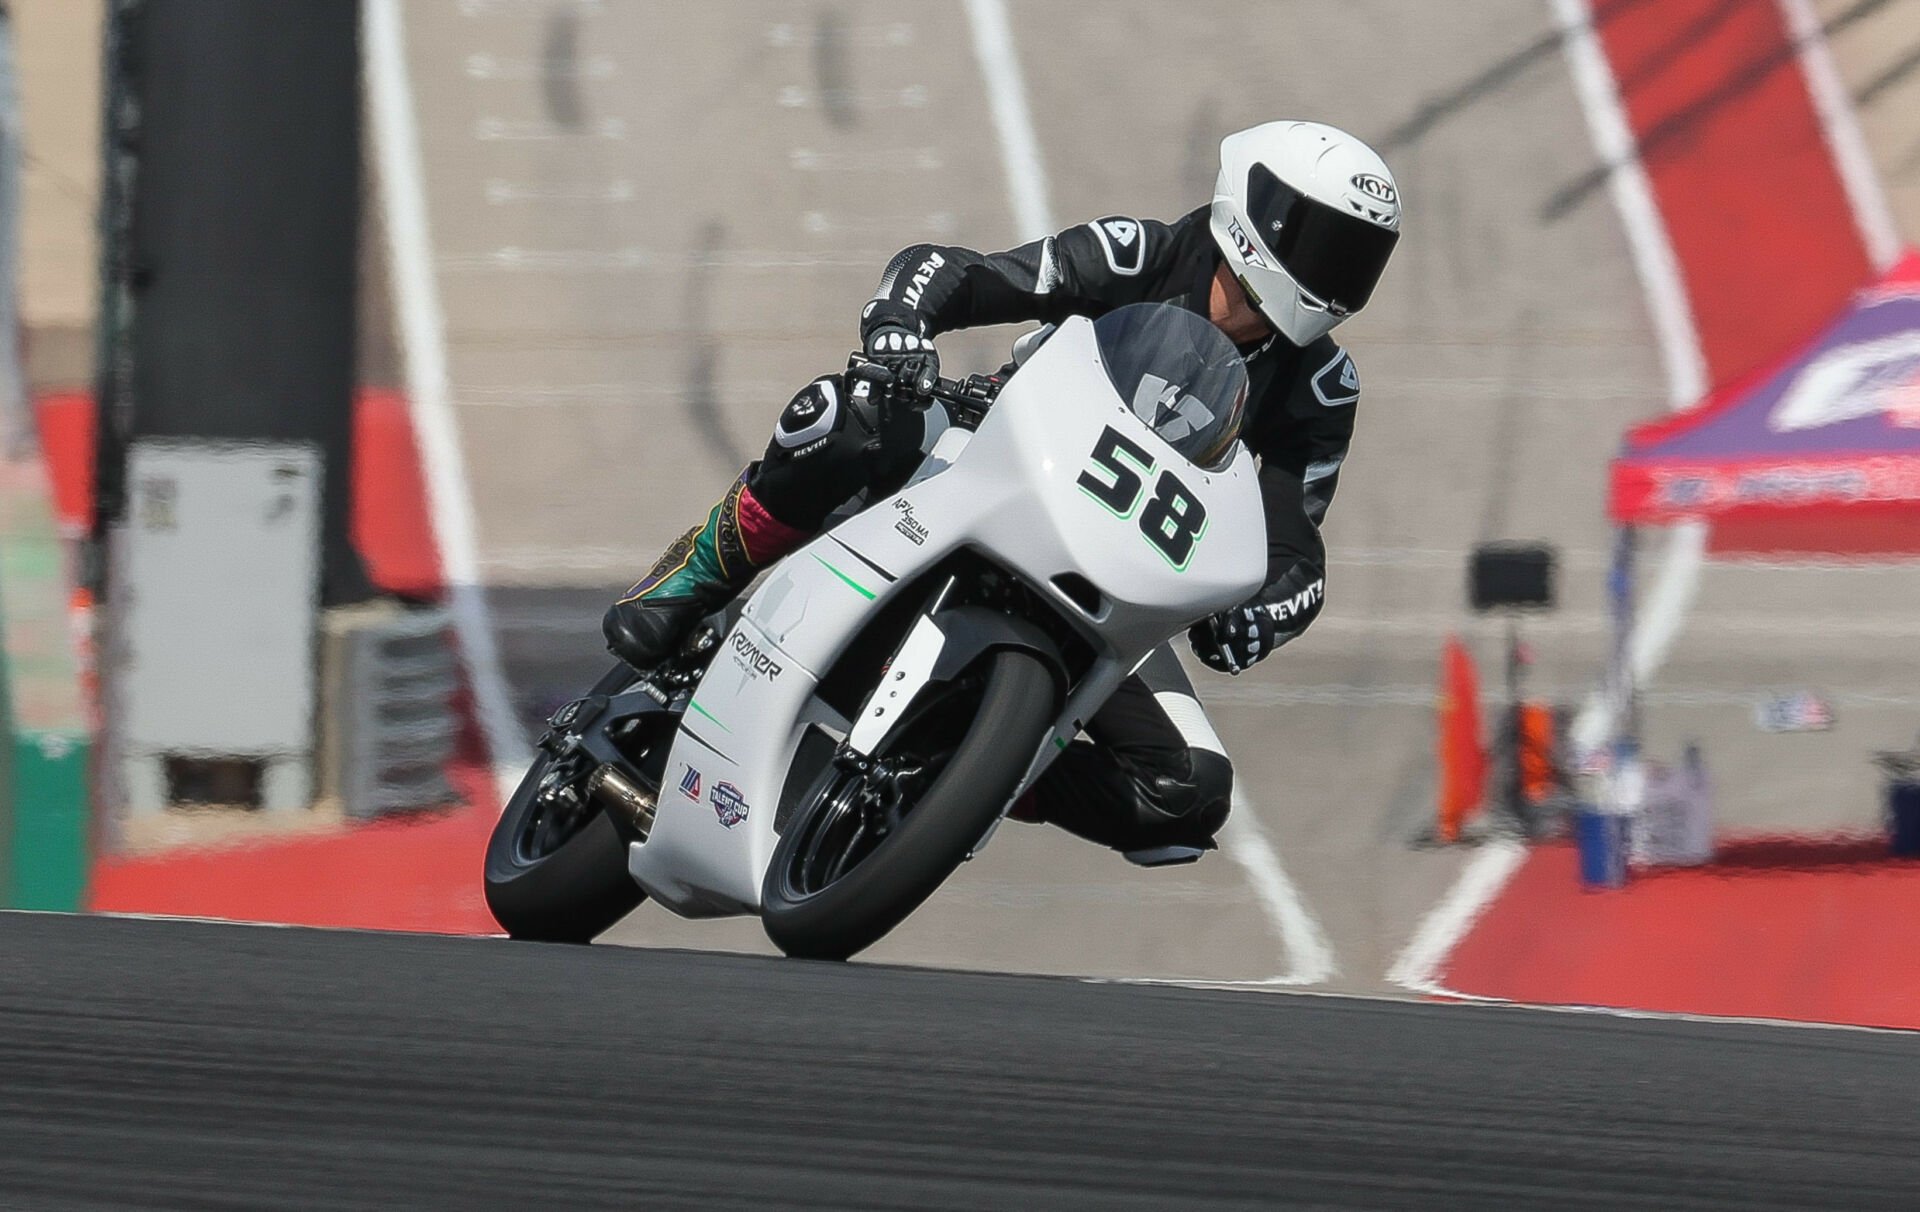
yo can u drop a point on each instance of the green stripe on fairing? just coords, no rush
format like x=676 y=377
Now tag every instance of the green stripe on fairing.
x=703 y=711
x=858 y=588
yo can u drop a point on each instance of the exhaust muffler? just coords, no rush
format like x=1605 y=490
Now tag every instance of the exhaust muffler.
x=631 y=802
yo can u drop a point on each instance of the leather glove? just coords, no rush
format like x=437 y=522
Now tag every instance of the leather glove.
x=907 y=354
x=1238 y=639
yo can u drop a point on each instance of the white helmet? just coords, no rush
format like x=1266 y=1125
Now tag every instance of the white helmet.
x=1306 y=217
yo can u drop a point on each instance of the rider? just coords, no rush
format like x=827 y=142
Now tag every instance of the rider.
x=1303 y=219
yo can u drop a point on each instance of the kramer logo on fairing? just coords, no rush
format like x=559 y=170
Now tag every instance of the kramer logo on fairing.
x=750 y=657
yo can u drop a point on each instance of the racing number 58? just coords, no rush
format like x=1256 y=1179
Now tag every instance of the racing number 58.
x=1111 y=454
x=1174 y=518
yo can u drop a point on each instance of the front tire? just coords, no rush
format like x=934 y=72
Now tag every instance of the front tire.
x=814 y=910
x=559 y=880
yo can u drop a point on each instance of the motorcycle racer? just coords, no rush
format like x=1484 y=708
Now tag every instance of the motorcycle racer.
x=1302 y=223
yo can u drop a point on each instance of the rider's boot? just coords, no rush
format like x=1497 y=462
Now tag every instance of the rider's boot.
x=699 y=572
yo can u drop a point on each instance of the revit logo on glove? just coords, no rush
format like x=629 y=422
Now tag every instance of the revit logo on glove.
x=1299 y=603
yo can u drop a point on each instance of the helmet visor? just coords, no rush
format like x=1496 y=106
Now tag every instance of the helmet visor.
x=1336 y=257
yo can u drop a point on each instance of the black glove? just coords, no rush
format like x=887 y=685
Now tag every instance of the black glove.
x=1238 y=639
x=907 y=354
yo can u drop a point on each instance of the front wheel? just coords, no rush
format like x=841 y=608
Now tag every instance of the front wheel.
x=852 y=862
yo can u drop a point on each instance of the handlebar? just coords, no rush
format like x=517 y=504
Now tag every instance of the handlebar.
x=973 y=391
x=967 y=398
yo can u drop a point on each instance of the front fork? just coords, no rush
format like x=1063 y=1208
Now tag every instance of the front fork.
x=930 y=653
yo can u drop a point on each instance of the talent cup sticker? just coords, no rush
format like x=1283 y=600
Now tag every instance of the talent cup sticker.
x=728 y=804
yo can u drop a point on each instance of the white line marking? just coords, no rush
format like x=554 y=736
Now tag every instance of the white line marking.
x=480 y=8
x=1309 y=955
x=1417 y=968
x=786 y=35
x=490 y=67
x=884 y=160
x=422 y=324
x=500 y=192
x=1308 y=952
x=820 y=222
x=1653 y=255
x=490 y=130
x=799 y=96
x=1012 y=121
x=1865 y=194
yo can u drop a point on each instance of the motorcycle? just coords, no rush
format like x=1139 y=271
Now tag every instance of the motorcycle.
x=828 y=754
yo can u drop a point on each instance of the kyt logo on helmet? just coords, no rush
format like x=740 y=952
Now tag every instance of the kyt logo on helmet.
x=1306 y=216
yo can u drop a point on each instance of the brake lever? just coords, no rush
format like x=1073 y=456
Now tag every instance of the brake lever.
x=974 y=394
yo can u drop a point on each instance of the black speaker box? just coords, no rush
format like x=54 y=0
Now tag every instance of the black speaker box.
x=1512 y=576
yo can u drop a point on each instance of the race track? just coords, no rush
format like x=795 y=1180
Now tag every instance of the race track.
x=173 y=1064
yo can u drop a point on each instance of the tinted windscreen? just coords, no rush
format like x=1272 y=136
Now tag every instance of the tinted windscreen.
x=1336 y=257
x=1179 y=374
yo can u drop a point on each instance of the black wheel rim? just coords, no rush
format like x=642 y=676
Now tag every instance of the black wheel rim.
x=558 y=811
x=560 y=806
x=837 y=830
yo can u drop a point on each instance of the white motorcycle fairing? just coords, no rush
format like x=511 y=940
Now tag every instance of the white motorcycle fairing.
x=1040 y=490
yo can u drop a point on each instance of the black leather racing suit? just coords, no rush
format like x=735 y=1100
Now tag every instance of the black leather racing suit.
x=1151 y=771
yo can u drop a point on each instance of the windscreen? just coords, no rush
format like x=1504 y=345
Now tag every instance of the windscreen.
x=1179 y=374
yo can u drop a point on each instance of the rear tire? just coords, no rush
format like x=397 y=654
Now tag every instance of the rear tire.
x=572 y=892
x=859 y=907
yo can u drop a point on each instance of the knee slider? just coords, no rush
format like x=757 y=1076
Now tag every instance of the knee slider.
x=1195 y=790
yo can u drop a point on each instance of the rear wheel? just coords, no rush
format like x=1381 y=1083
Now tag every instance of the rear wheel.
x=861 y=851
x=556 y=865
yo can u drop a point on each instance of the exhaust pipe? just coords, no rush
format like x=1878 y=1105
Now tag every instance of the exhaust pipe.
x=633 y=803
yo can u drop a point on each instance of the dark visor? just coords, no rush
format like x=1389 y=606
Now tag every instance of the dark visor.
x=1336 y=257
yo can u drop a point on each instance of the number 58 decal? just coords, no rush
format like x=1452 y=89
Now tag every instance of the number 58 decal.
x=1173 y=520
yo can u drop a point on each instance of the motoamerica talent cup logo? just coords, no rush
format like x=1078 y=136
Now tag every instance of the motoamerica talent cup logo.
x=728 y=804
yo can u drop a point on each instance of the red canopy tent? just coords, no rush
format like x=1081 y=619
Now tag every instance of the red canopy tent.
x=1819 y=454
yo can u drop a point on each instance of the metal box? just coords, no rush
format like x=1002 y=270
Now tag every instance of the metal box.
x=212 y=606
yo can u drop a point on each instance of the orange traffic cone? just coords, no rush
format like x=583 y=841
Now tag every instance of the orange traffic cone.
x=1539 y=777
x=1463 y=763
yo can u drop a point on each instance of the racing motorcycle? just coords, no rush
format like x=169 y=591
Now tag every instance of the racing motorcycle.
x=827 y=755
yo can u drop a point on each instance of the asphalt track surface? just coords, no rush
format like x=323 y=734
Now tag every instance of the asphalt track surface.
x=177 y=1064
